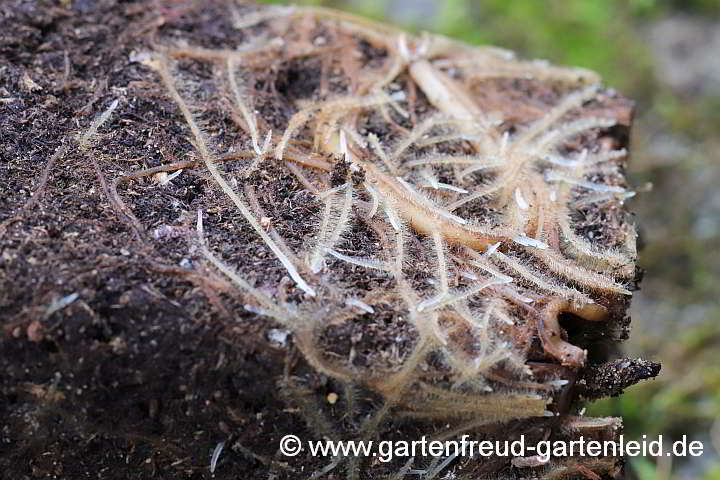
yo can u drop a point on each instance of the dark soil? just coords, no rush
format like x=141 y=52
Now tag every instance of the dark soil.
x=146 y=370
x=122 y=355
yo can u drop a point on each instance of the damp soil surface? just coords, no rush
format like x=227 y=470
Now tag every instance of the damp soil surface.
x=118 y=360
x=121 y=355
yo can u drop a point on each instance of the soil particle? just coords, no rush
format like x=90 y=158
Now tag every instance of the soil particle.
x=339 y=173
x=610 y=379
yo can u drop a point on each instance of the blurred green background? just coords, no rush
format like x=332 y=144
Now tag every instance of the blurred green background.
x=664 y=54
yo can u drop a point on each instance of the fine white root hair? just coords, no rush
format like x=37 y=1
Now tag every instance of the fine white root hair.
x=336 y=215
x=160 y=64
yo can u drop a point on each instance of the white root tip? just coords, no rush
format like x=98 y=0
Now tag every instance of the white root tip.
x=199 y=227
x=403 y=47
x=520 y=200
x=216 y=456
x=354 y=302
x=492 y=248
x=529 y=242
